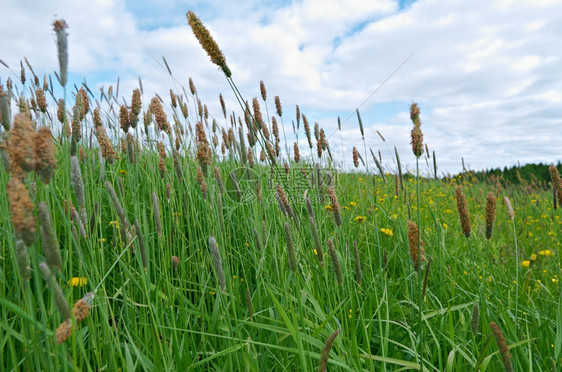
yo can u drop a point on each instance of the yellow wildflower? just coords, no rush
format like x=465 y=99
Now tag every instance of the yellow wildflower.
x=526 y=263
x=352 y=204
x=360 y=219
x=533 y=257
x=387 y=231
x=328 y=207
x=78 y=281
x=546 y=252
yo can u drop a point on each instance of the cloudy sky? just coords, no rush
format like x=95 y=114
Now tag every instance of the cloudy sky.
x=486 y=74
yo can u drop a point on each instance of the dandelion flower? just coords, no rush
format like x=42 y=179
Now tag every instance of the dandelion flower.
x=387 y=231
x=78 y=281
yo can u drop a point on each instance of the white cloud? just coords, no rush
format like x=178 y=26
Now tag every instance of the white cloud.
x=486 y=74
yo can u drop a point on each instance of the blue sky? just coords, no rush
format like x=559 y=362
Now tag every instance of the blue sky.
x=486 y=74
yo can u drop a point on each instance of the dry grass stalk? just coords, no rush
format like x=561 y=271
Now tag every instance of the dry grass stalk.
x=502 y=345
x=217 y=262
x=49 y=239
x=335 y=261
x=323 y=365
x=413 y=239
x=490 y=214
x=463 y=211
x=207 y=42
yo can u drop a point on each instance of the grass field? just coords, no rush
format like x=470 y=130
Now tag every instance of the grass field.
x=203 y=243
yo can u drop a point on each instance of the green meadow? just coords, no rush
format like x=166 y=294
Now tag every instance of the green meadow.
x=143 y=234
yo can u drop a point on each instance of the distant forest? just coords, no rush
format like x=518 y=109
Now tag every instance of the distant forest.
x=537 y=174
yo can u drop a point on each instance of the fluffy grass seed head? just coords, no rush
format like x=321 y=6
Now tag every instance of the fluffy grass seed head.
x=64 y=331
x=45 y=161
x=124 y=118
x=413 y=238
x=217 y=262
x=323 y=365
x=335 y=205
x=21 y=209
x=21 y=144
x=106 y=147
x=22 y=259
x=78 y=187
x=60 y=26
x=416 y=134
x=54 y=287
x=509 y=208
x=41 y=100
x=556 y=181
x=207 y=42
x=160 y=115
x=355 y=157
x=81 y=308
x=49 y=239
x=263 y=90
x=283 y=200
x=202 y=183
x=278 y=106
x=502 y=345
x=463 y=211
x=335 y=262
x=490 y=214
x=5 y=111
